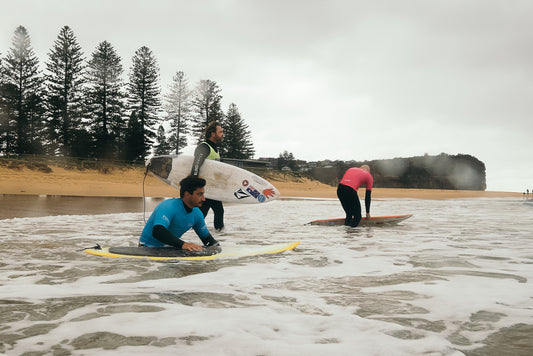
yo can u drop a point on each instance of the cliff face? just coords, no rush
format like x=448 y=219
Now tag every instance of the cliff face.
x=461 y=172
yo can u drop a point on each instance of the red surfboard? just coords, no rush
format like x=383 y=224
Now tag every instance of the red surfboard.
x=374 y=220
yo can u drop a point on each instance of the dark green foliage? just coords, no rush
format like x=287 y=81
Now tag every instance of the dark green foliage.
x=134 y=150
x=83 y=111
x=162 y=146
x=178 y=108
x=237 y=141
x=8 y=120
x=64 y=96
x=286 y=159
x=463 y=172
x=22 y=105
x=144 y=95
x=105 y=101
x=206 y=107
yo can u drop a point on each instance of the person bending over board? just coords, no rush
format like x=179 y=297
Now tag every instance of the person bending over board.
x=214 y=134
x=174 y=217
x=347 y=193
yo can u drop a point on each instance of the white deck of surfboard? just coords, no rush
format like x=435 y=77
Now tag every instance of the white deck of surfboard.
x=225 y=182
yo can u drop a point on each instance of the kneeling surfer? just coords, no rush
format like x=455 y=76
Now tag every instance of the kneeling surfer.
x=174 y=217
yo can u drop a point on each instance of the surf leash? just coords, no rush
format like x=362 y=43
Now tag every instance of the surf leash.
x=97 y=247
x=144 y=195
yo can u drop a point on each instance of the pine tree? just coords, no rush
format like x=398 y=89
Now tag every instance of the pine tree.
x=22 y=98
x=134 y=138
x=162 y=146
x=5 y=131
x=144 y=93
x=286 y=159
x=64 y=96
x=206 y=107
x=237 y=140
x=105 y=101
x=178 y=109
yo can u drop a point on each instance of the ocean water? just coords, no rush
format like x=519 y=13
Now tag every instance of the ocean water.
x=455 y=279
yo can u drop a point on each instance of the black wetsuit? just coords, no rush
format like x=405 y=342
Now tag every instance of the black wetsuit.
x=200 y=154
x=351 y=205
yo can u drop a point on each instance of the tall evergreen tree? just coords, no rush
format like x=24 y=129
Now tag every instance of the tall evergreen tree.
x=144 y=94
x=178 y=109
x=134 y=139
x=106 y=101
x=64 y=96
x=4 y=114
x=237 y=139
x=22 y=97
x=206 y=106
x=162 y=146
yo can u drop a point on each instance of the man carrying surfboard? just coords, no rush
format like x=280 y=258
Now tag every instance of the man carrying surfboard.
x=347 y=193
x=214 y=134
x=174 y=217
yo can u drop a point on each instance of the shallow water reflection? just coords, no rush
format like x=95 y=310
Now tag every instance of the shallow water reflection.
x=21 y=206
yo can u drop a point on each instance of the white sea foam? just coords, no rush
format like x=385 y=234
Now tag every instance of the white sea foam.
x=439 y=283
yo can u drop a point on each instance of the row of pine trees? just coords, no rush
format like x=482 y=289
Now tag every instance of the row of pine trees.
x=82 y=107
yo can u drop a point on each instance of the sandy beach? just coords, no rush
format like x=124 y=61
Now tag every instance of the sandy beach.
x=129 y=183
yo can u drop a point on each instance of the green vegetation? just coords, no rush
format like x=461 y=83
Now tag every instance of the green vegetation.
x=461 y=172
x=84 y=107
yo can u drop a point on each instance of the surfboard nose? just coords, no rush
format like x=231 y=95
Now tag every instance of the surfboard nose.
x=160 y=166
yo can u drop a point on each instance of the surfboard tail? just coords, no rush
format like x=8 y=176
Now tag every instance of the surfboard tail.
x=160 y=166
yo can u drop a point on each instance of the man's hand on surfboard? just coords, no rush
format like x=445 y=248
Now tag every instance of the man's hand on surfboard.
x=191 y=247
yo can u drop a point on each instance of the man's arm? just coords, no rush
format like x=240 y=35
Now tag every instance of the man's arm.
x=209 y=240
x=368 y=199
x=200 y=154
x=162 y=234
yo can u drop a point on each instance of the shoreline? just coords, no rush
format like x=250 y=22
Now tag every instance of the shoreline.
x=129 y=183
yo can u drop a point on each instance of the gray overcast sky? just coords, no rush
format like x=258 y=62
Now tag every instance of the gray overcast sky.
x=343 y=79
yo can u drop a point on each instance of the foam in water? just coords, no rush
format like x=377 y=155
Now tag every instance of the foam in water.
x=454 y=279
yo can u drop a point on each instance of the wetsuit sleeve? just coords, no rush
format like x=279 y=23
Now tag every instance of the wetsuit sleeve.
x=200 y=154
x=201 y=229
x=368 y=200
x=209 y=240
x=162 y=234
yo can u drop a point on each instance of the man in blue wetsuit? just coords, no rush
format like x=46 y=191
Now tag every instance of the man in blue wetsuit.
x=173 y=217
x=214 y=134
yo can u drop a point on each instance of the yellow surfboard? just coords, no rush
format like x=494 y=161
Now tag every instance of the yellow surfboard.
x=167 y=254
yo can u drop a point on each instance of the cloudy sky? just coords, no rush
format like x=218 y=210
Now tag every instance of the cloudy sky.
x=344 y=79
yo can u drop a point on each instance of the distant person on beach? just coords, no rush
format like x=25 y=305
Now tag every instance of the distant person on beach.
x=214 y=134
x=174 y=217
x=347 y=193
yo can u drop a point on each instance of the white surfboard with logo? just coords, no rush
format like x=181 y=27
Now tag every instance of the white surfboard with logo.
x=225 y=182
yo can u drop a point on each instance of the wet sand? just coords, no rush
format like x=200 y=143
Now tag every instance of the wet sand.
x=129 y=183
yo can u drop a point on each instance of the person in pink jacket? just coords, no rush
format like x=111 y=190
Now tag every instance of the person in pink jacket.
x=347 y=193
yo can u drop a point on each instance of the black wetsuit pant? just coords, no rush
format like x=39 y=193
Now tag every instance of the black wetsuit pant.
x=350 y=203
x=218 y=209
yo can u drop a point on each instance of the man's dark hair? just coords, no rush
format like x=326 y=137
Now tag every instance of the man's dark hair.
x=190 y=184
x=211 y=128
